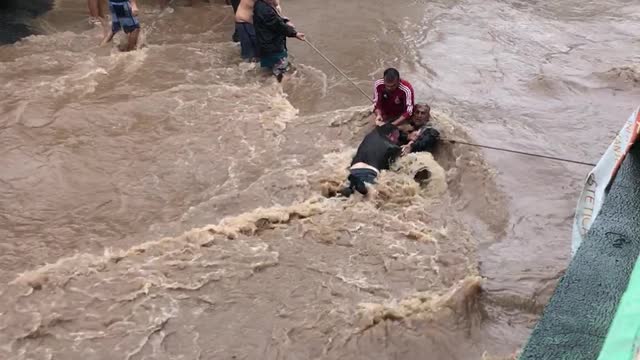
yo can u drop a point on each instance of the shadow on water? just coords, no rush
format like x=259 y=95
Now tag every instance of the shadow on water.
x=16 y=16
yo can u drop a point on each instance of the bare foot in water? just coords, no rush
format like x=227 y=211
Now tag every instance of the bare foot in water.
x=108 y=36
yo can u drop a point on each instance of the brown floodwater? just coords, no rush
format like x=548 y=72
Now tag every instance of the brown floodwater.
x=167 y=203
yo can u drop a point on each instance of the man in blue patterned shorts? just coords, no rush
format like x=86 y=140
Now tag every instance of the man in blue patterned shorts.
x=124 y=16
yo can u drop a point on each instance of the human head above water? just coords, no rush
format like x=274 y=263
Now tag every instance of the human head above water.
x=391 y=79
x=421 y=114
x=390 y=132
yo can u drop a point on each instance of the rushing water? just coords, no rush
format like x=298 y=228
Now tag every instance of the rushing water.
x=168 y=203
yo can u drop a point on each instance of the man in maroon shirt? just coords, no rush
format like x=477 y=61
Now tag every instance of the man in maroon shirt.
x=393 y=98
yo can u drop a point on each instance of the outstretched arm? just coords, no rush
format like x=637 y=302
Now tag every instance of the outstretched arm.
x=377 y=111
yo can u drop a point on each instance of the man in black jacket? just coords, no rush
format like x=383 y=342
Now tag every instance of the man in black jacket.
x=418 y=134
x=272 y=31
x=377 y=151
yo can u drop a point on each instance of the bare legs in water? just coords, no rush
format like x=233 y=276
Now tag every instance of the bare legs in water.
x=97 y=11
x=132 y=40
x=132 y=37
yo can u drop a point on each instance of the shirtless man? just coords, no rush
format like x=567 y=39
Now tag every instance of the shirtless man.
x=234 y=5
x=245 y=30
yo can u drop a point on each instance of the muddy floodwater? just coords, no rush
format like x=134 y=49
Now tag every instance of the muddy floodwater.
x=167 y=203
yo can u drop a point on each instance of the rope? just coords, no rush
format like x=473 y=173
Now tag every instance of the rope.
x=340 y=71
x=519 y=152
x=456 y=141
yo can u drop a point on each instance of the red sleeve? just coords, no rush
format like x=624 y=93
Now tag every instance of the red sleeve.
x=406 y=87
x=377 y=94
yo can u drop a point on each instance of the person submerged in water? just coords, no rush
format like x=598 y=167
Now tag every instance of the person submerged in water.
x=377 y=151
x=385 y=143
x=418 y=134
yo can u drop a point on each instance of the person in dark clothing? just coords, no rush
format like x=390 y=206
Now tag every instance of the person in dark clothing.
x=417 y=134
x=272 y=31
x=377 y=151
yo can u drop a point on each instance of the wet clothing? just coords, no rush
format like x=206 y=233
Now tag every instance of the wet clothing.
x=365 y=175
x=358 y=178
x=271 y=29
x=248 y=42
x=122 y=16
x=376 y=151
x=395 y=103
x=277 y=63
x=427 y=140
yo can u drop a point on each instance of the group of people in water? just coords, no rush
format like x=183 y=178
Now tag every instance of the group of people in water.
x=262 y=31
x=400 y=127
x=260 y=28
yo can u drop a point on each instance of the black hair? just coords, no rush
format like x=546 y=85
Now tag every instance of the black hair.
x=391 y=74
x=386 y=129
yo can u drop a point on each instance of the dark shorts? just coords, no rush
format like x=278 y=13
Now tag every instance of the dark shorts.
x=358 y=178
x=122 y=17
x=248 y=42
x=277 y=63
x=365 y=175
